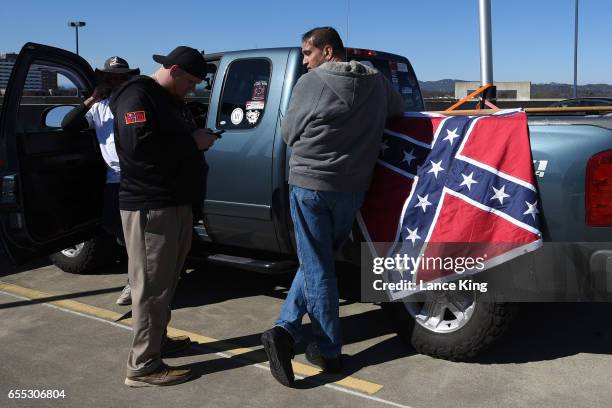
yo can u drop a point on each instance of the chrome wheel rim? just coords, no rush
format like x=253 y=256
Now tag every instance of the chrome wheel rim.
x=73 y=251
x=444 y=312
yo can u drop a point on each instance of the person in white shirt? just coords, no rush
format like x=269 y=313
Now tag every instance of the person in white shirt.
x=95 y=113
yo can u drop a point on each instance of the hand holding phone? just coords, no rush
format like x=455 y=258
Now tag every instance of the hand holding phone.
x=204 y=138
x=217 y=133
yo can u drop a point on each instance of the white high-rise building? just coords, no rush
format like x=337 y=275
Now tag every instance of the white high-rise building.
x=38 y=79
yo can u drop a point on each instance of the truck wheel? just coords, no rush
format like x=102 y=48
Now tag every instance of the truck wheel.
x=89 y=256
x=452 y=325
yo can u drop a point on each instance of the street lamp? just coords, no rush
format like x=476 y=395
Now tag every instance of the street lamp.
x=76 y=25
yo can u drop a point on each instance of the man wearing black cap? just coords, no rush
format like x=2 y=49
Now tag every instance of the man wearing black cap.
x=95 y=113
x=159 y=150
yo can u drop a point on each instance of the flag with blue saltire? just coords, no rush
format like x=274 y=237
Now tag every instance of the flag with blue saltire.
x=465 y=181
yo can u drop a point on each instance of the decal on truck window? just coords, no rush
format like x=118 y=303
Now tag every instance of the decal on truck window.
x=245 y=93
x=252 y=116
x=255 y=105
x=237 y=116
x=259 y=91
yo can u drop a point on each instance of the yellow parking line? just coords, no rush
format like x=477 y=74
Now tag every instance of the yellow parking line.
x=300 y=369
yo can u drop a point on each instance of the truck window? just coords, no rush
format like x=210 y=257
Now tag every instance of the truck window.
x=402 y=78
x=244 y=94
x=48 y=86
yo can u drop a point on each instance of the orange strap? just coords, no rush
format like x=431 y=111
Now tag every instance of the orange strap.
x=470 y=96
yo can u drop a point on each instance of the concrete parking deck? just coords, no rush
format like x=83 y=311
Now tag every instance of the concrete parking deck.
x=64 y=332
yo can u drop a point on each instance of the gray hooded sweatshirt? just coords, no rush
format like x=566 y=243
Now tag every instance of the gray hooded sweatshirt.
x=335 y=122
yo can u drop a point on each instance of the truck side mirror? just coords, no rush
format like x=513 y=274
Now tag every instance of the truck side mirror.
x=52 y=117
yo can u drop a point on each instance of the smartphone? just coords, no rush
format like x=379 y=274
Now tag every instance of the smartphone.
x=218 y=133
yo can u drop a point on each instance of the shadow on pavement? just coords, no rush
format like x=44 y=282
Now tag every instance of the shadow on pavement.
x=208 y=285
x=542 y=331
x=55 y=298
x=7 y=268
x=547 y=331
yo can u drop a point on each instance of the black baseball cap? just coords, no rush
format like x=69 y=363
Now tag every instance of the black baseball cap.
x=117 y=65
x=189 y=59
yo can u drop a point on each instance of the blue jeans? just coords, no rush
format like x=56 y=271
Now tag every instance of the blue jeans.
x=322 y=220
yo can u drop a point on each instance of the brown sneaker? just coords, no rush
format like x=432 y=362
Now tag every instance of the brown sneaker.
x=164 y=375
x=174 y=345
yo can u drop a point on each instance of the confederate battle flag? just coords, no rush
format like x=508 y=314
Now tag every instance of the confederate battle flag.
x=452 y=186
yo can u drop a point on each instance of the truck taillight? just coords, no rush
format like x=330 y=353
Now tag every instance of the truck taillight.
x=598 y=190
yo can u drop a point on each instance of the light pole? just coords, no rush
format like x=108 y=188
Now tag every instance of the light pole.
x=76 y=25
x=486 y=50
x=576 y=52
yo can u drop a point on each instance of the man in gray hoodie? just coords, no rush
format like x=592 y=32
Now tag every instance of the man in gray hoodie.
x=334 y=124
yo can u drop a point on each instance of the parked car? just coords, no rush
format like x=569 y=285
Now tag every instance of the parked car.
x=52 y=182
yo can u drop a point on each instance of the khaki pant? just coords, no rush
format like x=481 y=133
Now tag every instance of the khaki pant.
x=157 y=243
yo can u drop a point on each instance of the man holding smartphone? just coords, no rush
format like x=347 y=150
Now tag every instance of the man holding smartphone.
x=162 y=178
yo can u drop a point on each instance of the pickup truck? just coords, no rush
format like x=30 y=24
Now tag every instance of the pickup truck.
x=52 y=182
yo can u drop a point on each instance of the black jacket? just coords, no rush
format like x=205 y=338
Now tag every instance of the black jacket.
x=160 y=162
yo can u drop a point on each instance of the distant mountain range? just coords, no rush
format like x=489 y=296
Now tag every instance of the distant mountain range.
x=446 y=88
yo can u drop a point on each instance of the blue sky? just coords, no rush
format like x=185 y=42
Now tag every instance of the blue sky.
x=532 y=39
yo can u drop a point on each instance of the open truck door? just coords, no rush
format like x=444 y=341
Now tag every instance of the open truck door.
x=51 y=180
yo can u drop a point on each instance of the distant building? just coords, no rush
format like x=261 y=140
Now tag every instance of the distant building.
x=517 y=91
x=39 y=79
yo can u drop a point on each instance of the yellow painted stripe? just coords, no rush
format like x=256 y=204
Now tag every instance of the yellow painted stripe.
x=300 y=369
x=66 y=304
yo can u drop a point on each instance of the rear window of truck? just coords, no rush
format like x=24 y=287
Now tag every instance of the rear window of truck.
x=402 y=78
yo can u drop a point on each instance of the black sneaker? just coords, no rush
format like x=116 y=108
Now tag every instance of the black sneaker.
x=328 y=365
x=278 y=345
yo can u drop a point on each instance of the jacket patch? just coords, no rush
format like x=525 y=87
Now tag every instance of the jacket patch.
x=135 y=117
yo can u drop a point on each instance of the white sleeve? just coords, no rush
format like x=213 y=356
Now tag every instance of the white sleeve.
x=90 y=115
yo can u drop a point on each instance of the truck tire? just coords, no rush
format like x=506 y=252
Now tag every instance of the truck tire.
x=454 y=326
x=89 y=256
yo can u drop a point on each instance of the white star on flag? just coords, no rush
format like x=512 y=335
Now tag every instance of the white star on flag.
x=436 y=168
x=468 y=181
x=423 y=203
x=413 y=235
x=531 y=209
x=409 y=157
x=451 y=135
x=400 y=268
x=383 y=146
x=500 y=194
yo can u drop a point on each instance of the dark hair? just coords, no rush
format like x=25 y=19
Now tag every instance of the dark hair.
x=322 y=36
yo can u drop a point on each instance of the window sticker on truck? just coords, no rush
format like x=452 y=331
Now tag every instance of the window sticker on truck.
x=259 y=91
x=237 y=116
x=252 y=116
x=255 y=105
x=399 y=66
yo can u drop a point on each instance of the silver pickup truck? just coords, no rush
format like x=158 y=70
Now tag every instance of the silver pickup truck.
x=52 y=182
